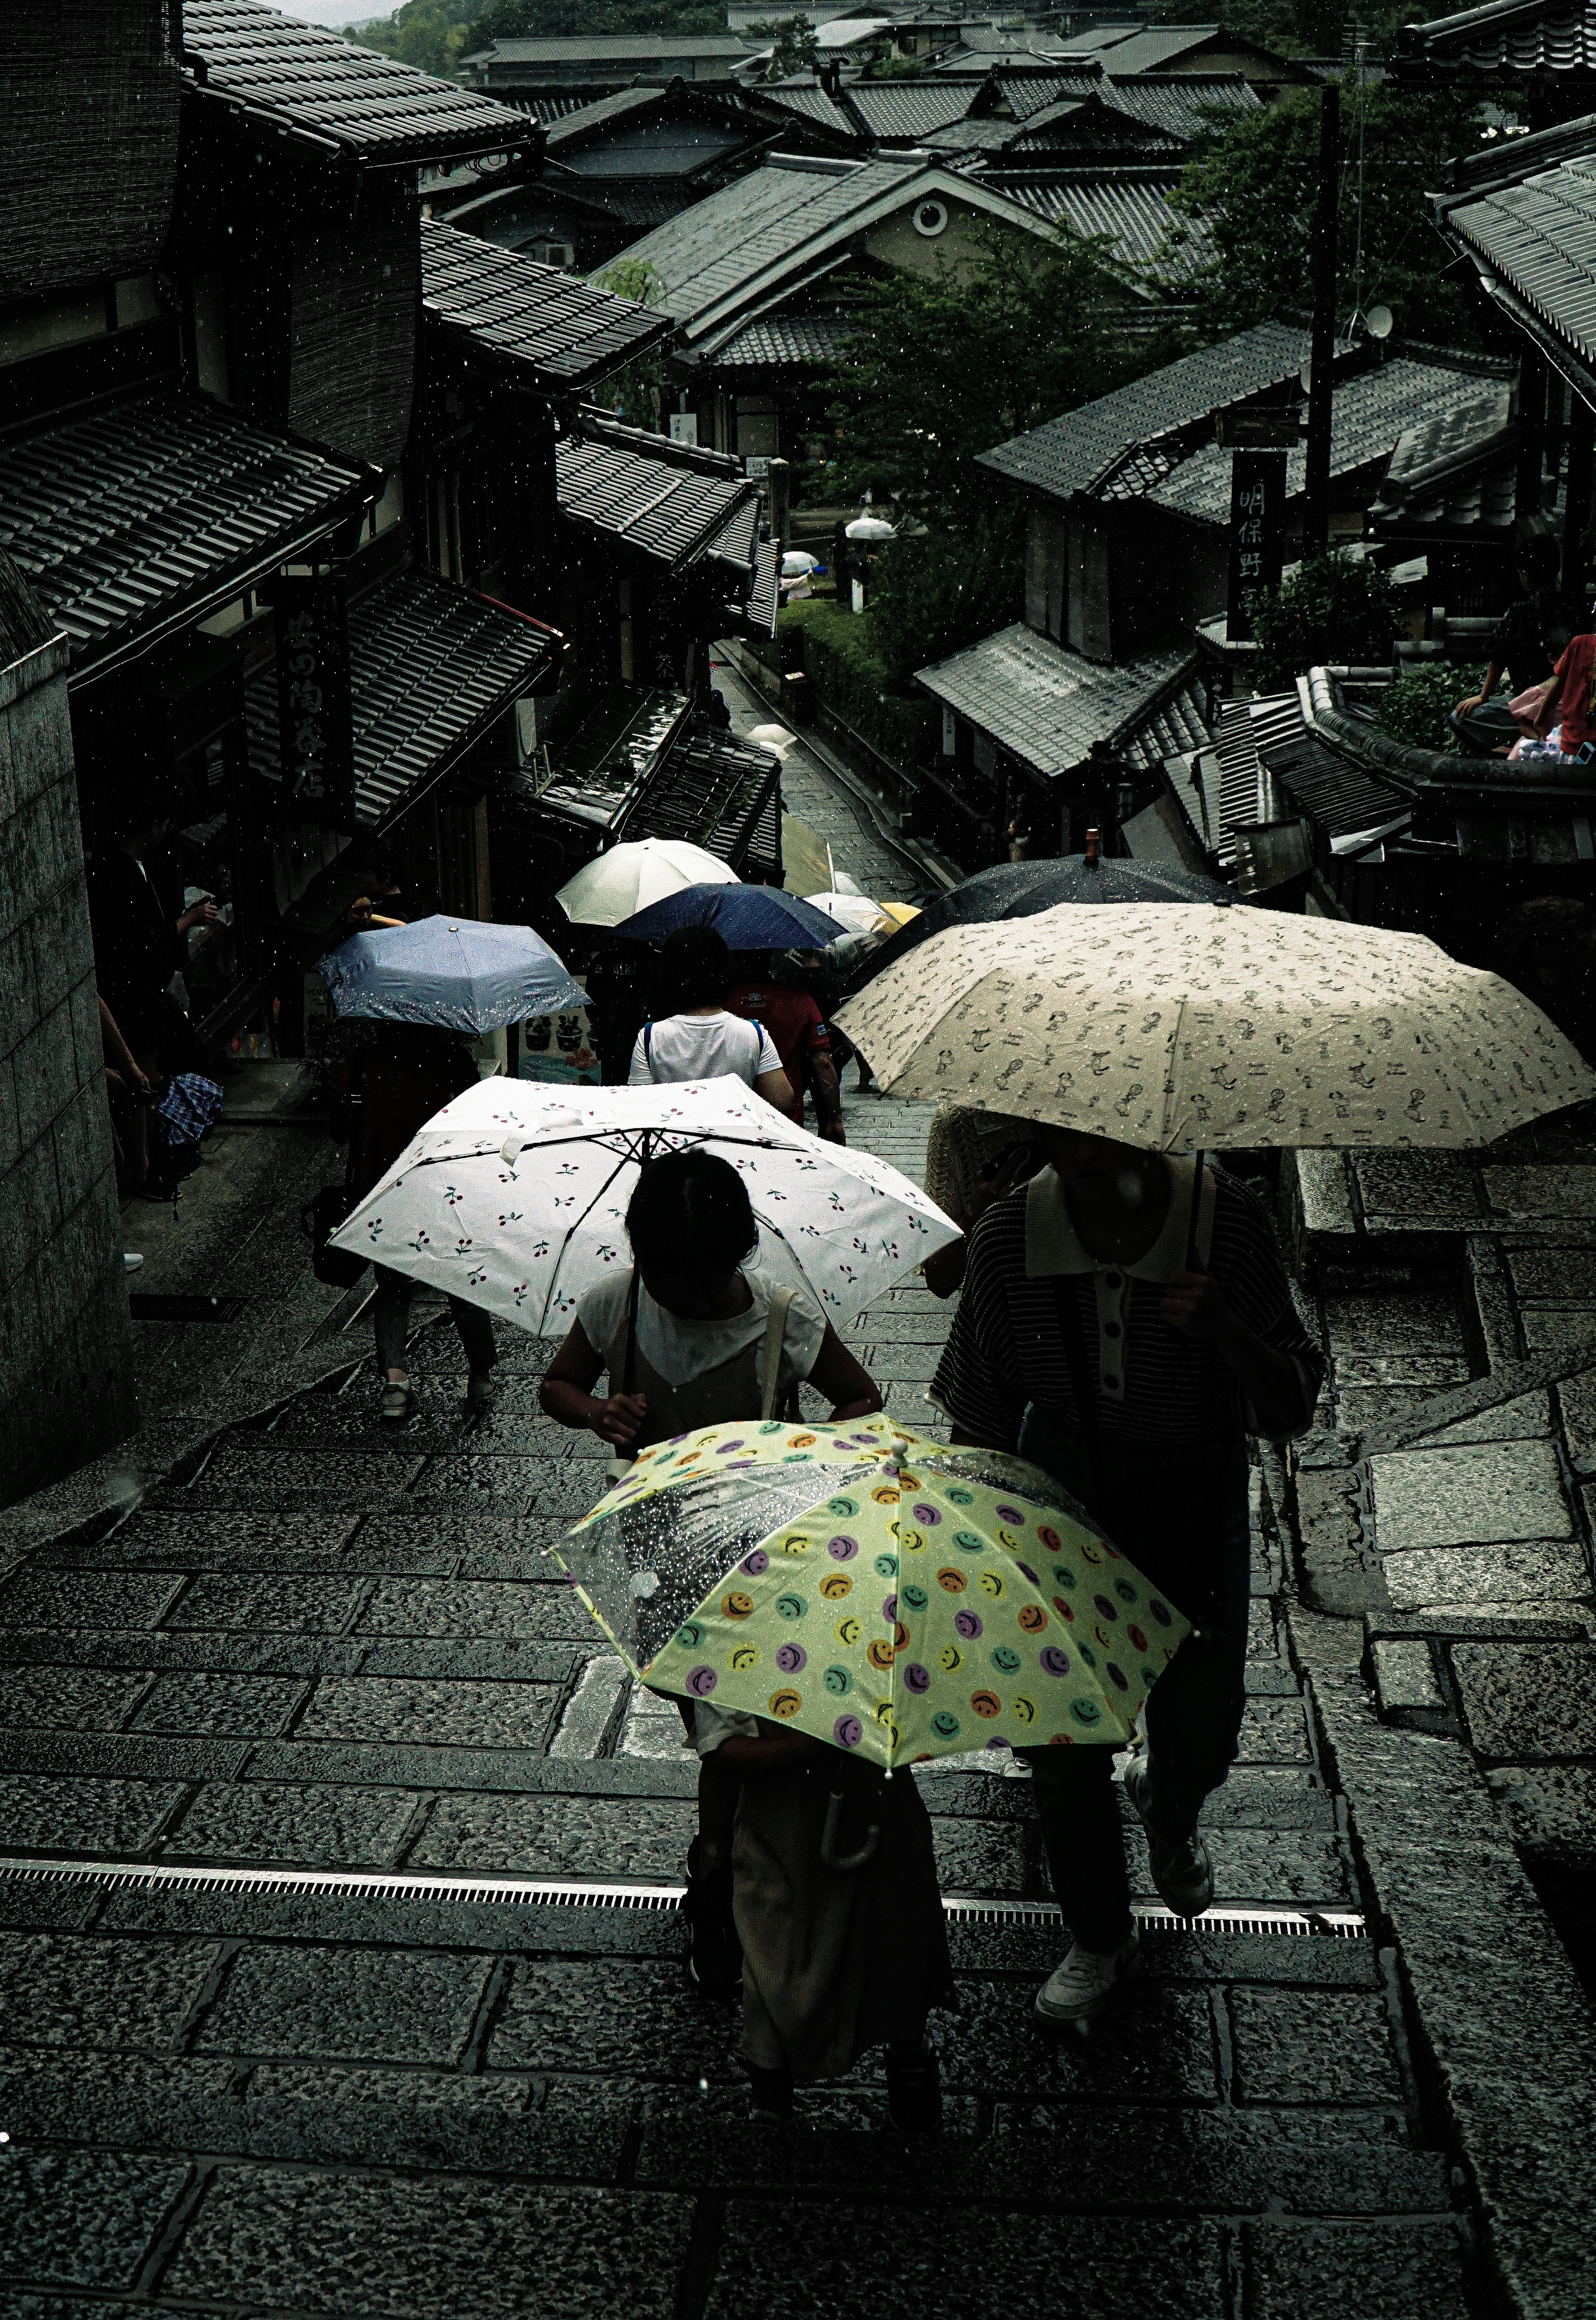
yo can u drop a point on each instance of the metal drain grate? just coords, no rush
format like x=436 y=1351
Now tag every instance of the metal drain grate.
x=576 y=1893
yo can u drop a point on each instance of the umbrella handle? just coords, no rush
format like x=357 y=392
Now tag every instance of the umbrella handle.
x=828 y=1852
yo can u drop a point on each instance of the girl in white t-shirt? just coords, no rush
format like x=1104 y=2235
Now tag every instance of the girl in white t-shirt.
x=703 y=1040
x=692 y=1334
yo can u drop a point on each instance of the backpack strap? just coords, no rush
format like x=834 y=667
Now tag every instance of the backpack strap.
x=770 y=1353
x=648 y=1047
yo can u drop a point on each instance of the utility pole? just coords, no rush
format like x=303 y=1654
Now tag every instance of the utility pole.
x=1316 y=515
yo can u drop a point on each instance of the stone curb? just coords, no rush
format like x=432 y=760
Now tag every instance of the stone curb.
x=1507 y=2038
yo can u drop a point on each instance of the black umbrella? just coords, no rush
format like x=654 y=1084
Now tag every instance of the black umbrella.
x=1019 y=890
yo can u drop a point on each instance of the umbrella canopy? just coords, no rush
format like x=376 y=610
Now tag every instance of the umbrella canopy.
x=514 y=1196
x=1182 y=1026
x=462 y=974
x=883 y=1593
x=748 y=917
x=1019 y=890
x=629 y=878
x=855 y=914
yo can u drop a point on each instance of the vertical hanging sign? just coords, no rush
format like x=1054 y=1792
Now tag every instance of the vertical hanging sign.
x=1258 y=535
x=315 y=722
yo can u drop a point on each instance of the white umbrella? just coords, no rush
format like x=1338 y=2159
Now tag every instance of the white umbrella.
x=628 y=878
x=1185 y=1024
x=514 y=1196
x=774 y=738
x=856 y=912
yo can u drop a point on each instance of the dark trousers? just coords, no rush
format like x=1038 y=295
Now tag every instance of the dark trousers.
x=1487 y=729
x=390 y=1316
x=1193 y=1717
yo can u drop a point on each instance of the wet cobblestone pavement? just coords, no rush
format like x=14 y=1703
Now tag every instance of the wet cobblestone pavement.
x=315 y=1646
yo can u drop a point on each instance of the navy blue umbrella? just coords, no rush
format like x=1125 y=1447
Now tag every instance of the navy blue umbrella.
x=745 y=918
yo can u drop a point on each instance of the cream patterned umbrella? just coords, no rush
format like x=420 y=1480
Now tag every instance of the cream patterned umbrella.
x=1187 y=1025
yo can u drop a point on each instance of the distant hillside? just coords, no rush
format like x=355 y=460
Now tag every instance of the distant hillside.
x=435 y=34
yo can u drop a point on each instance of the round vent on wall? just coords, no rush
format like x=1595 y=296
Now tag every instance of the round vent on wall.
x=930 y=218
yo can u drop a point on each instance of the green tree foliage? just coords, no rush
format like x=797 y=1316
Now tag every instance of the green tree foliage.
x=431 y=35
x=794 y=47
x=1254 y=180
x=635 y=394
x=435 y=34
x=1334 y=610
x=945 y=366
x=936 y=591
x=551 y=19
x=1416 y=708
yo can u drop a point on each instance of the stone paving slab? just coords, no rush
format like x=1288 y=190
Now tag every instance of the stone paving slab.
x=1487 y=1495
x=944 y=2263
x=283 y=2241
x=83 y=2218
x=1383 y=2271
x=1529 y=1700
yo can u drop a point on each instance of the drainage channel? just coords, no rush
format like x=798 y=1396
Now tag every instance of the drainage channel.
x=575 y=1893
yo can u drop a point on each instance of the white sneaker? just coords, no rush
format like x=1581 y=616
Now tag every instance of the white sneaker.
x=1183 y=1874
x=130 y=1259
x=1079 y=1988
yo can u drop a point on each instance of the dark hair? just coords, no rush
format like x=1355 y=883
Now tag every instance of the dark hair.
x=1535 y=546
x=690 y=1210
x=695 y=967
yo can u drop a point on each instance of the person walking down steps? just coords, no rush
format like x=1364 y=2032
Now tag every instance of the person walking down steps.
x=703 y=1039
x=693 y=1333
x=1125 y=1324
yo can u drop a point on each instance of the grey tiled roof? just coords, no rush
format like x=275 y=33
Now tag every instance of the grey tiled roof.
x=1130 y=206
x=1513 y=36
x=1455 y=472
x=431 y=666
x=1048 y=705
x=335 y=92
x=159 y=508
x=607 y=49
x=1089 y=122
x=769 y=225
x=812 y=102
x=1070 y=454
x=669 y=512
x=910 y=108
x=1181 y=102
x=711 y=250
x=1029 y=93
x=1155 y=47
x=552 y=326
x=787 y=338
x=1368 y=414
x=1537 y=237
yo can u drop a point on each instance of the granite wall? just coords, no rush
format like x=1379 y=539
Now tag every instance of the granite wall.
x=65 y=1373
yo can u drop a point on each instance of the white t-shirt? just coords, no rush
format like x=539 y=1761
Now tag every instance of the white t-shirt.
x=702 y=1047
x=679 y=1350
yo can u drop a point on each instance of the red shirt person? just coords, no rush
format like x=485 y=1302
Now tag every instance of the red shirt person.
x=797 y=1031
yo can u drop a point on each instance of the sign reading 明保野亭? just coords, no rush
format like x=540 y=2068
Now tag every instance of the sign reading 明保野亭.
x=1257 y=536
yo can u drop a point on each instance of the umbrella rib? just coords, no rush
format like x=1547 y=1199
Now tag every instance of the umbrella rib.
x=1174 y=1044
x=622 y=1160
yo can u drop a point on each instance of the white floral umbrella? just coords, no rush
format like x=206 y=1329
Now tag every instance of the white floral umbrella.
x=514 y=1196
x=1185 y=1024
x=616 y=885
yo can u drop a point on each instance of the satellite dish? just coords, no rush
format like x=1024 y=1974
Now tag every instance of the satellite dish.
x=1378 y=322
x=1306 y=376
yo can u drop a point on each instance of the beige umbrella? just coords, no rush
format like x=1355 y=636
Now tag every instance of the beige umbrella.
x=1187 y=1025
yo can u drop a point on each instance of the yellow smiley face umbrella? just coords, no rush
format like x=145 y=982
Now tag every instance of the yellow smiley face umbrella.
x=880 y=1591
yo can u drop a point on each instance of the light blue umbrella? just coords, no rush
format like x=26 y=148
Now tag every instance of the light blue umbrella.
x=460 y=973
